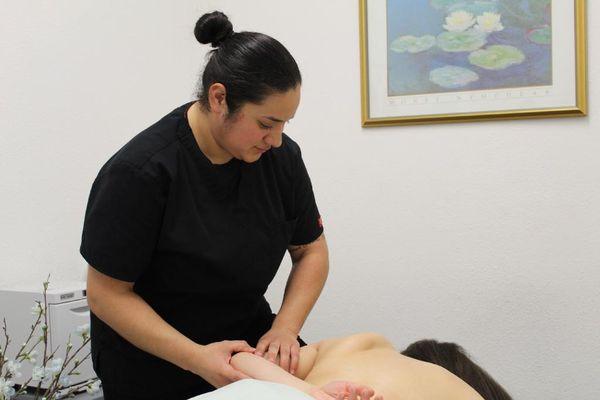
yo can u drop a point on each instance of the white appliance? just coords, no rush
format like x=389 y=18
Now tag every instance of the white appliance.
x=67 y=310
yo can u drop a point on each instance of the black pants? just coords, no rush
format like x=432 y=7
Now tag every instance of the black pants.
x=128 y=377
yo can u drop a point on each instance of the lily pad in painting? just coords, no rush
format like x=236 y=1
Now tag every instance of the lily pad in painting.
x=497 y=57
x=541 y=35
x=461 y=41
x=412 y=44
x=452 y=77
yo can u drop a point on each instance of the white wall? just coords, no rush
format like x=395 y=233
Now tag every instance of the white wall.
x=487 y=234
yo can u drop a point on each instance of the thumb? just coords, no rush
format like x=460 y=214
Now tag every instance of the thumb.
x=241 y=345
x=261 y=347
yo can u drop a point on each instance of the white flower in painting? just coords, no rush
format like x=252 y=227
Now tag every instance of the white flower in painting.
x=489 y=22
x=459 y=21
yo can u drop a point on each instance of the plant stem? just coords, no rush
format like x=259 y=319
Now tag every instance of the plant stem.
x=44 y=360
x=53 y=388
x=33 y=328
x=78 y=387
x=5 y=345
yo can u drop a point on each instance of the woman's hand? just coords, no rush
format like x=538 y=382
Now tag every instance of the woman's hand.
x=211 y=362
x=282 y=342
x=350 y=391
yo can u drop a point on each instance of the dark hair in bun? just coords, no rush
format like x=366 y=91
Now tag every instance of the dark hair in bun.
x=250 y=65
x=213 y=28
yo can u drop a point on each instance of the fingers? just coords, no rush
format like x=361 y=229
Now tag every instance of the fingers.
x=273 y=350
x=261 y=347
x=267 y=350
x=365 y=392
x=369 y=395
x=241 y=345
x=352 y=394
x=284 y=358
x=294 y=358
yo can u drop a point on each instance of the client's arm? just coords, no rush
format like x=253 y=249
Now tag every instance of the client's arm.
x=262 y=369
x=259 y=368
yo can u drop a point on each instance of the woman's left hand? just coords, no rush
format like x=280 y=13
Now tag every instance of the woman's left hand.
x=280 y=346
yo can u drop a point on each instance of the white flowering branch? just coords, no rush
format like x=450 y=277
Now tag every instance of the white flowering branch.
x=45 y=359
x=39 y=313
x=56 y=371
x=6 y=342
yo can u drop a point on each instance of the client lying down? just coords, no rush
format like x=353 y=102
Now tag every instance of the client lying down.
x=425 y=370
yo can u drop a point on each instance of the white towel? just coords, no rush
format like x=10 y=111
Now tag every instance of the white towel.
x=252 y=389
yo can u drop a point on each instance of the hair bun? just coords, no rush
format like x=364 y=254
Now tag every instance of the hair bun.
x=213 y=28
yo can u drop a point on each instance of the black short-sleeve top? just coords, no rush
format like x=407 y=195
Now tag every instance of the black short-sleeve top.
x=201 y=241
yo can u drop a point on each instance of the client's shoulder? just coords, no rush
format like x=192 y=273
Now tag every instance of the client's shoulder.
x=368 y=339
x=356 y=342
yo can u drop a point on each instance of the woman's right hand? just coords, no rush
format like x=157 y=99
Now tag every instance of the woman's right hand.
x=211 y=362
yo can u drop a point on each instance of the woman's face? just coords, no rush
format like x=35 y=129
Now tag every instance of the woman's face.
x=258 y=127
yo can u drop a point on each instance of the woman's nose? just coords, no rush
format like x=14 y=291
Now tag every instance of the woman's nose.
x=274 y=139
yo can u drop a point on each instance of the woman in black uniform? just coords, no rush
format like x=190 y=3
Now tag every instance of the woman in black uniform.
x=186 y=226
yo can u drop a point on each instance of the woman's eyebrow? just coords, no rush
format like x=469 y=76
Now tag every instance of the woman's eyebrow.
x=274 y=119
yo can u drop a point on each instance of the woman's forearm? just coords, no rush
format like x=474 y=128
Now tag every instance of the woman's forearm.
x=132 y=318
x=304 y=285
x=259 y=368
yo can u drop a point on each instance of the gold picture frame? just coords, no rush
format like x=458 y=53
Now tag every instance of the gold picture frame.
x=392 y=116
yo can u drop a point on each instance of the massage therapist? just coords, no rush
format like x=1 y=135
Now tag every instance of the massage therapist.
x=187 y=224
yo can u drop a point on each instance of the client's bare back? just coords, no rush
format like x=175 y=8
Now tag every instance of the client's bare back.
x=370 y=359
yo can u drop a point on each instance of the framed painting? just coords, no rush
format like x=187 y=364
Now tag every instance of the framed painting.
x=433 y=61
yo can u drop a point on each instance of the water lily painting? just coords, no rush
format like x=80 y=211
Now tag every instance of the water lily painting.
x=456 y=60
x=449 y=45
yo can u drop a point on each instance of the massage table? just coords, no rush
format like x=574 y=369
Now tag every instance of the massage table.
x=252 y=389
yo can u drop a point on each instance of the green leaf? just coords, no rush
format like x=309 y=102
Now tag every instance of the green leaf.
x=541 y=35
x=412 y=44
x=497 y=57
x=461 y=41
x=452 y=77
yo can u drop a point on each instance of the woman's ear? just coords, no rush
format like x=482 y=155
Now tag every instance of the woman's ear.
x=217 y=94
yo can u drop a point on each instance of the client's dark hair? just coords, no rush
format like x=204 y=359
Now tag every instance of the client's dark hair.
x=454 y=358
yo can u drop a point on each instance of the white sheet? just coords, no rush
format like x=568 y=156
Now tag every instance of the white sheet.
x=252 y=389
